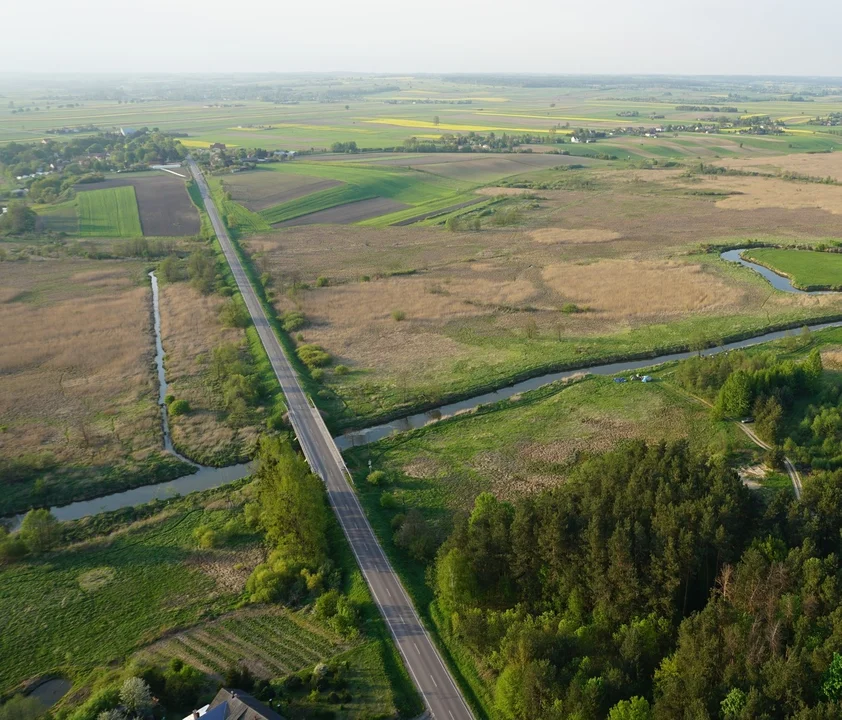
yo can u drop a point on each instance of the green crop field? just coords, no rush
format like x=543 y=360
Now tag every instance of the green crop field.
x=807 y=270
x=109 y=213
x=277 y=642
x=363 y=182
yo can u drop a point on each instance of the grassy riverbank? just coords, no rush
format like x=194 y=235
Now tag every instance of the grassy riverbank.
x=806 y=269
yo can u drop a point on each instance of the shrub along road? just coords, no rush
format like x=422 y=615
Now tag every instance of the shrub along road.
x=428 y=671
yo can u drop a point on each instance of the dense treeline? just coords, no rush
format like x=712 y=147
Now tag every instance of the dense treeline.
x=574 y=597
x=50 y=168
x=774 y=392
x=650 y=585
x=291 y=507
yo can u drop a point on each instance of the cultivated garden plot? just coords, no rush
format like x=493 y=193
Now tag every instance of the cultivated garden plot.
x=139 y=204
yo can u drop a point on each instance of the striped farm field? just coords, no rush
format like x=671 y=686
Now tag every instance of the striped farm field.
x=402 y=122
x=270 y=642
x=111 y=212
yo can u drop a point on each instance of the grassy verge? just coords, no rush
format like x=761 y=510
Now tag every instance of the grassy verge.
x=405 y=697
x=267 y=375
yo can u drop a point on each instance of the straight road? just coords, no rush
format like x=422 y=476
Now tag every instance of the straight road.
x=434 y=682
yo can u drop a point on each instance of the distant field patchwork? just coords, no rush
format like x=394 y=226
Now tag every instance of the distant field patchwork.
x=392 y=191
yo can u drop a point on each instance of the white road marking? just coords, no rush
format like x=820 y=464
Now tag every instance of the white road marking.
x=434 y=681
x=416 y=648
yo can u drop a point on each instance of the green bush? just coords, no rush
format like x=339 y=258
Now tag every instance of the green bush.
x=317 y=374
x=206 y=537
x=234 y=314
x=398 y=315
x=293 y=320
x=313 y=356
x=571 y=308
x=377 y=477
x=276 y=421
x=169 y=399
x=388 y=501
x=179 y=407
x=322 y=281
x=341 y=370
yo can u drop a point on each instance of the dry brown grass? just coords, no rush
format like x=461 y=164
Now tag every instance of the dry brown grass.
x=643 y=289
x=759 y=192
x=818 y=164
x=75 y=363
x=832 y=357
x=474 y=297
x=190 y=330
x=228 y=568
x=555 y=236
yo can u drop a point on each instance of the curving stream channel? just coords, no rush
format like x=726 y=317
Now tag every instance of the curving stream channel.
x=206 y=478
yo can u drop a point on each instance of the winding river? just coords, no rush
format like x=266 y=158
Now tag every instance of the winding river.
x=208 y=477
x=377 y=432
x=779 y=282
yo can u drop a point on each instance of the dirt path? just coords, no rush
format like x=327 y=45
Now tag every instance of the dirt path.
x=794 y=475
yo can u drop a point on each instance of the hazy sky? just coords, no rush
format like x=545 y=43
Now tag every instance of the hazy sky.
x=552 y=36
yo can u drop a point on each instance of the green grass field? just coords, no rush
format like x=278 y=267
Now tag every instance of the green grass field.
x=514 y=446
x=111 y=212
x=74 y=610
x=807 y=270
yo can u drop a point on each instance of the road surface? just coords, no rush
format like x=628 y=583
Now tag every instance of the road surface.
x=434 y=682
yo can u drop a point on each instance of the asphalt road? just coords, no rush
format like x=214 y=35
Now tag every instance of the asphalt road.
x=434 y=682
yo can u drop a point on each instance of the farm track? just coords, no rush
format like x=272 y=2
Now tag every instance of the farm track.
x=793 y=473
x=425 y=665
